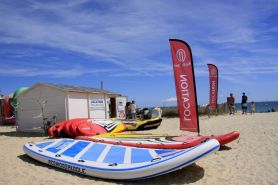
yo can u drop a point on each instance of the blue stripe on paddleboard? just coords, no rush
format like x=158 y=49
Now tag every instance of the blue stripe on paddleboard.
x=166 y=153
x=127 y=169
x=75 y=149
x=60 y=145
x=140 y=155
x=163 y=151
x=42 y=145
x=115 y=155
x=94 y=152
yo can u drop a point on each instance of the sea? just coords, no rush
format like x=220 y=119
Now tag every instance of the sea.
x=267 y=106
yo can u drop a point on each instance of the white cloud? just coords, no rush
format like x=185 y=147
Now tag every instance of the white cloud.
x=134 y=35
x=57 y=73
x=239 y=36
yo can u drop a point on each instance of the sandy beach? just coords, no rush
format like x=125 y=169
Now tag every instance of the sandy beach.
x=252 y=159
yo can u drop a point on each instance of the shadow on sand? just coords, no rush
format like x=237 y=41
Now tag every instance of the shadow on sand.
x=21 y=134
x=13 y=133
x=189 y=174
x=223 y=148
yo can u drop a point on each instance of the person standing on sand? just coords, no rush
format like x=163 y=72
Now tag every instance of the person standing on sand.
x=208 y=109
x=231 y=104
x=244 y=103
x=252 y=106
x=133 y=108
x=127 y=110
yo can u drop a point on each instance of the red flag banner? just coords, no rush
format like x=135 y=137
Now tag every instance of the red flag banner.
x=185 y=85
x=213 y=83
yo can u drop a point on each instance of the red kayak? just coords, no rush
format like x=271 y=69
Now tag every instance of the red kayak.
x=62 y=129
x=89 y=129
x=85 y=127
x=226 y=138
x=55 y=130
x=67 y=128
x=158 y=141
x=71 y=128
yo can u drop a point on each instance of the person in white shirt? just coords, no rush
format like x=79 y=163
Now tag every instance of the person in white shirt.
x=133 y=108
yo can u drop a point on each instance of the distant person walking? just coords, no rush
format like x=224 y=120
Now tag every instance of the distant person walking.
x=133 y=108
x=231 y=104
x=244 y=103
x=208 y=109
x=252 y=107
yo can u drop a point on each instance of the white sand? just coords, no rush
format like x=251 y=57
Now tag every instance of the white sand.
x=253 y=159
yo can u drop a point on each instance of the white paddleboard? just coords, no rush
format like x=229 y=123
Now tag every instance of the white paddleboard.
x=115 y=162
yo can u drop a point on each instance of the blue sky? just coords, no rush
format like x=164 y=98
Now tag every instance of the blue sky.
x=125 y=44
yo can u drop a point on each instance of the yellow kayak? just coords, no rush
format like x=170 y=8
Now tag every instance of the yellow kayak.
x=142 y=124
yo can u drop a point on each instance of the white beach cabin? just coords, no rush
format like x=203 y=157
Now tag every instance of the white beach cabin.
x=45 y=100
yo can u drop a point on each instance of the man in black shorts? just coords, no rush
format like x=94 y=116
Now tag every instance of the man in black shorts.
x=244 y=103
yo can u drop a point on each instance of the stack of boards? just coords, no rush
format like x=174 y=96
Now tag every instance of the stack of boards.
x=115 y=162
x=90 y=127
x=129 y=156
x=85 y=127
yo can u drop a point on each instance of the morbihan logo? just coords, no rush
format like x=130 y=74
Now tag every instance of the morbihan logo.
x=181 y=55
x=213 y=72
